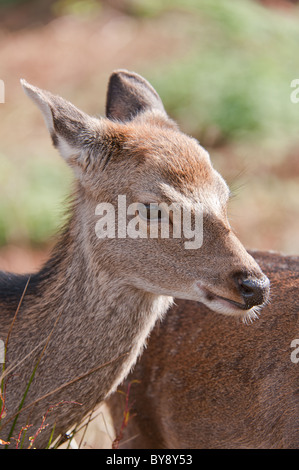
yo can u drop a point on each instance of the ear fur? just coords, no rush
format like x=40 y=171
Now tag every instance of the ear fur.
x=130 y=94
x=79 y=137
x=72 y=131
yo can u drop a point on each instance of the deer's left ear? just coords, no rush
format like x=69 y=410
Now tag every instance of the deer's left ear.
x=130 y=94
x=72 y=131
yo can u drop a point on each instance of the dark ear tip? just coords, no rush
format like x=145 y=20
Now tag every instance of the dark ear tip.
x=119 y=74
x=123 y=72
x=126 y=76
x=128 y=93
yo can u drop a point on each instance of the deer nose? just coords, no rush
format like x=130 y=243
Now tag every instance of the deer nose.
x=254 y=291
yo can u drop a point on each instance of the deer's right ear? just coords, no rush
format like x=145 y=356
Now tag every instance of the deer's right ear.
x=72 y=131
x=130 y=94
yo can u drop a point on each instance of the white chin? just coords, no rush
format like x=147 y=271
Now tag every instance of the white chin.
x=226 y=308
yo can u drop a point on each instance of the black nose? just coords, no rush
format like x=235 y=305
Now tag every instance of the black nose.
x=254 y=291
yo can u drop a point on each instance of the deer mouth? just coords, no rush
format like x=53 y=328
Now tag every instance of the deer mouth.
x=211 y=297
x=227 y=306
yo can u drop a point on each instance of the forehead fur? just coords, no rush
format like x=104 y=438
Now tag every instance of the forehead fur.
x=166 y=164
x=175 y=157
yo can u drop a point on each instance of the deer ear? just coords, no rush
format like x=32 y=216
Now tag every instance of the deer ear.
x=71 y=129
x=129 y=94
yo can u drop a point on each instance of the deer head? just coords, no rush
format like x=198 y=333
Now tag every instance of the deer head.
x=137 y=152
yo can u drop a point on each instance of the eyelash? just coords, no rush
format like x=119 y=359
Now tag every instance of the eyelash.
x=149 y=213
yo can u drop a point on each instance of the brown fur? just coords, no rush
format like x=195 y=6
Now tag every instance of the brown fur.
x=207 y=382
x=106 y=294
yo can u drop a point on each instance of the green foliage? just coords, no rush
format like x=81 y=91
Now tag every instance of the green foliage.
x=11 y=3
x=76 y=7
x=33 y=196
x=233 y=80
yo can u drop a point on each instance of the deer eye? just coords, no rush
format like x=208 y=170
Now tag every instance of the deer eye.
x=151 y=212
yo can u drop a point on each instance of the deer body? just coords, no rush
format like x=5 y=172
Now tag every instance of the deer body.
x=89 y=333
x=206 y=382
x=85 y=316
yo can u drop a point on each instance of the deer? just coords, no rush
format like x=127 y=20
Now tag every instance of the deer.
x=205 y=383
x=74 y=329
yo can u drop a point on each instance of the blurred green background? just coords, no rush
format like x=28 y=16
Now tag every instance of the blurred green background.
x=222 y=68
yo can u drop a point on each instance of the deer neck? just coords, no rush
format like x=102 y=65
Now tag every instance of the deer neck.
x=99 y=310
x=96 y=321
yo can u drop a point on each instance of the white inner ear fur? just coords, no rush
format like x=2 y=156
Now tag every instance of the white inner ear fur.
x=71 y=155
x=37 y=96
x=66 y=150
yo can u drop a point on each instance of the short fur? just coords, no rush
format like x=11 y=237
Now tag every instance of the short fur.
x=205 y=382
x=107 y=294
